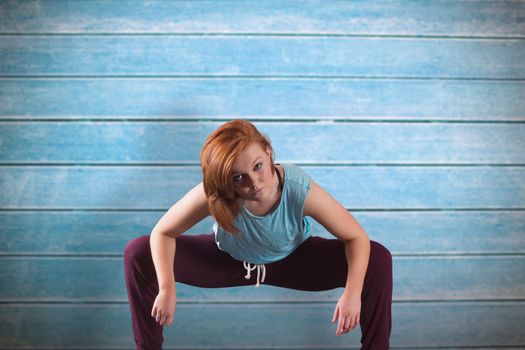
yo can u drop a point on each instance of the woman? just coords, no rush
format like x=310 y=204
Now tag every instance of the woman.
x=260 y=210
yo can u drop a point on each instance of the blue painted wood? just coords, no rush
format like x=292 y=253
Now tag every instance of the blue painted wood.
x=447 y=198
x=143 y=187
x=403 y=232
x=460 y=18
x=379 y=143
x=246 y=326
x=102 y=279
x=308 y=98
x=276 y=56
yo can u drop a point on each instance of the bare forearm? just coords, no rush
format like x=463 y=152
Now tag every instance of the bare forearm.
x=163 y=254
x=357 y=254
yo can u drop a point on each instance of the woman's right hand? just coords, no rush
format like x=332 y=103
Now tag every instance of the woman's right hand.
x=164 y=306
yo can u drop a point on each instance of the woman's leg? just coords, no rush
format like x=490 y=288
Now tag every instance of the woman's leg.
x=320 y=264
x=198 y=262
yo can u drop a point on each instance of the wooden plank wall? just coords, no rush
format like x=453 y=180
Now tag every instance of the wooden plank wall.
x=411 y=113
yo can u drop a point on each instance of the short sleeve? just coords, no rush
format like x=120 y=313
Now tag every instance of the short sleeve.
x=300 y=182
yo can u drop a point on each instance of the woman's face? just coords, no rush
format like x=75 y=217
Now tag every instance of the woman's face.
x=252 y=176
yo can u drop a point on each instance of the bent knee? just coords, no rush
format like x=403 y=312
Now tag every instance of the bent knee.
x=137 y=248
x=381 y=255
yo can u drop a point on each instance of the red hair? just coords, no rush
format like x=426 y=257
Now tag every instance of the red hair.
x=218 y=154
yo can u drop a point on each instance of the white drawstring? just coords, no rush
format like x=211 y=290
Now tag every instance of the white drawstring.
x=249 y=269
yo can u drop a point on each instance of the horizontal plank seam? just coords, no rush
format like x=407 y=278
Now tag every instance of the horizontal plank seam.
x=401 y=256
x=267 y=119
x=270 y=35
x=181 y=164
x=308 y=302
x=371 y=210
x=258 y=77
x=491 y=347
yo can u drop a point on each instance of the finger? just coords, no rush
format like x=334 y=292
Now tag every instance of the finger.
x=336 y=314
x=346 y=327
x=354 y=322
x=153 y=311
x=340 y=326
x=170 y=320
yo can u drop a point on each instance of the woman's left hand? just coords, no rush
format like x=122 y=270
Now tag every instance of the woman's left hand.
x=347 y=311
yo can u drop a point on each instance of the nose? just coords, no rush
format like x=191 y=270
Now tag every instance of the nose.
x=255 y=185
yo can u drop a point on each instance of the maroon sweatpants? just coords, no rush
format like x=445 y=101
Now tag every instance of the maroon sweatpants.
x=199 y=262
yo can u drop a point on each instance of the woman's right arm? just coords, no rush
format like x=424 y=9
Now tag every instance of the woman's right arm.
x=184 y=214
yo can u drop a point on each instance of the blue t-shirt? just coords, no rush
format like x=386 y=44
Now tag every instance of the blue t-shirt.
x=269 y=238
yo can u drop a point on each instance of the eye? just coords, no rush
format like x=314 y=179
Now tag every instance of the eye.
x=236 y=177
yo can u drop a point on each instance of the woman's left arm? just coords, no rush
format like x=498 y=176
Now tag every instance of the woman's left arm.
x=322 y=207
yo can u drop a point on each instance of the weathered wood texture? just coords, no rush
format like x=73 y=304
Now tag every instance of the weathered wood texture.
x=412 y=114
